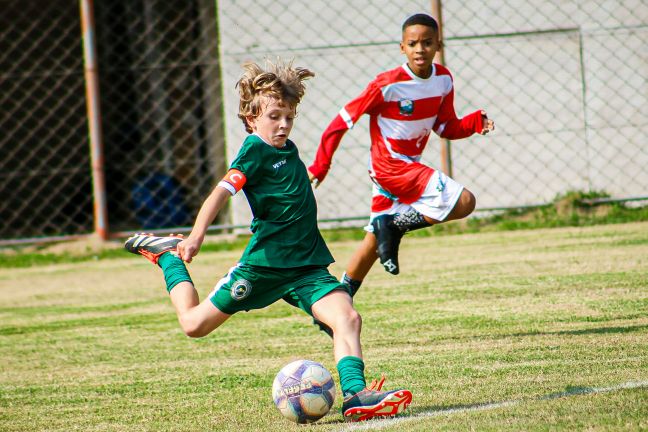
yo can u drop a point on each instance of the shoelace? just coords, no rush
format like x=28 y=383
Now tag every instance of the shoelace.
x=377 y=385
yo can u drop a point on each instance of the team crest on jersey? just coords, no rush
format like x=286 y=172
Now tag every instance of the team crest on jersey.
x=241 y=289
x=406 y=106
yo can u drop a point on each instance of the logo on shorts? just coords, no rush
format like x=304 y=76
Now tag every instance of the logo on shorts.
x=406 y=106
x=440 y=185
x=241 y=289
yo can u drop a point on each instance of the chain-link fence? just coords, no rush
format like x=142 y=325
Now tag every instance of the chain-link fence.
x=160 y=112
x=565 y=82
x=45 y=187
x=161 y=109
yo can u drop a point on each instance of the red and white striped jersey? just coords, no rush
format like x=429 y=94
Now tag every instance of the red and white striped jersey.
x=403 y=110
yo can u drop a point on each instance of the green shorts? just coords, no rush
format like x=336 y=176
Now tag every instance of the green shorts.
x=247 y=287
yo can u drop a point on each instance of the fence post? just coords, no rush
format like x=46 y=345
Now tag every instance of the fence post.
x=446 y=150
x=94 y=119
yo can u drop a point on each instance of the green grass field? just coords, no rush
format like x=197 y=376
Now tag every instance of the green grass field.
x=525 y=330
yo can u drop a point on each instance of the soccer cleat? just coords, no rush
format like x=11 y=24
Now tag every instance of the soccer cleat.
x=388 y=237
x=372 y=402
x=377 y=385
x=150 y=246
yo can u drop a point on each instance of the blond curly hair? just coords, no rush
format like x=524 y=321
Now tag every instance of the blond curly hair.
x=278 y=80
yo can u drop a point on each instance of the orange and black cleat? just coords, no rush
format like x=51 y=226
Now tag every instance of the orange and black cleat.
x=373 y=402
x=150 y=246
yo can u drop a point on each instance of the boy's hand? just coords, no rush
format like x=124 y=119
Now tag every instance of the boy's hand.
x=487 y=124
x=189 y=248
x=313 y=180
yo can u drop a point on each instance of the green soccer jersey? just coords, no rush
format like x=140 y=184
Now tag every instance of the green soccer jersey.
x=284 y=226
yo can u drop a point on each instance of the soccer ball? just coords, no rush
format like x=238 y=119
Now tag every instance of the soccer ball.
x=303 y=391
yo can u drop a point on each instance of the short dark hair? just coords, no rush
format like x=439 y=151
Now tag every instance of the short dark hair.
x=423 y=19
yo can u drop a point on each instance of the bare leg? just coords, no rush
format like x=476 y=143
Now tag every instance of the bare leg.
x=196 y=319
x=464 y=207
x=336 y=311
x=363 y=258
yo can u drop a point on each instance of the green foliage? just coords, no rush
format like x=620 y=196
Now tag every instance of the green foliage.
x=28 y=257
x=571 y=209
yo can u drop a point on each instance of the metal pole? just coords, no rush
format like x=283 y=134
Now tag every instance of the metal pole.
x=446 y=150
x=94 y=119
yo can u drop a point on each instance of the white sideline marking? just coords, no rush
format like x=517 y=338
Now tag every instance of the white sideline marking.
x=381 y=424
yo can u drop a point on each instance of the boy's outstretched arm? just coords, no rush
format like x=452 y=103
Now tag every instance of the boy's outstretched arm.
x=487 y=124
x=189 y=247
x=449 y=126
x=371 y=97
x=328 y=144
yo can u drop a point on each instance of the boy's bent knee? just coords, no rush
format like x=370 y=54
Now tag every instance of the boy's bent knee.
x=347 y=321
x=471 y=202
x=354 y=319
x=191 y=328
x=194 y=334
x=465 y=206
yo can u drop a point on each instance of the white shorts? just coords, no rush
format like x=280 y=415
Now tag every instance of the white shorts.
x=439 y=198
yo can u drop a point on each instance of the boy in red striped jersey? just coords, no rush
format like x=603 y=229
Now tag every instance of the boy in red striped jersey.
x=405 y=105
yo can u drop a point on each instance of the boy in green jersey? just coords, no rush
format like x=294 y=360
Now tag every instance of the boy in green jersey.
x=286 y=257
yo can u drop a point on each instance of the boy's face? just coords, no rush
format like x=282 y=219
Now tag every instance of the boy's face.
x=275 y=121
x=420 y=43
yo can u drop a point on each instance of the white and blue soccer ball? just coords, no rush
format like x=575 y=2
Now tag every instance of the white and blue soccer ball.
x=304 y=391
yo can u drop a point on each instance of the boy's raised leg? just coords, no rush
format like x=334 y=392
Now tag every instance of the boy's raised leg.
x=151 y=247
x=388 y=237
x=196 y=319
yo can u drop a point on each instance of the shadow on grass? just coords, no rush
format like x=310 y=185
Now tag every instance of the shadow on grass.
x=570 y=391
x=131 y=320
x=500 y=336
x=440 y=410
x=597 y=330
x=435 y=410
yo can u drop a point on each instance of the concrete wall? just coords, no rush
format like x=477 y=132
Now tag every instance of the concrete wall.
x=565 y=81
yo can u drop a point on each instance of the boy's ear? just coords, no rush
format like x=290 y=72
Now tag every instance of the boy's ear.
x=250 y=121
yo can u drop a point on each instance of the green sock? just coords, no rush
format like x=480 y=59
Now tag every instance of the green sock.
x=174 y=270
x=352 y=379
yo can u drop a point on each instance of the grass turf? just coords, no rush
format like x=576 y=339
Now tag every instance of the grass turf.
x=490 y=331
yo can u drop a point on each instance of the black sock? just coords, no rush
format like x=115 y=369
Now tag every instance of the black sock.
x=410 y=221
x=351 y=283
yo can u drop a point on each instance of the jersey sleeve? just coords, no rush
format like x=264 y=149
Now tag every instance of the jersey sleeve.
x=449 y=126
x=246 y=164
x=365 y=103
x=233 y=181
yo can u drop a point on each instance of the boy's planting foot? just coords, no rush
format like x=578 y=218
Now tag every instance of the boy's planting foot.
x=388 y=237
x=373 y=402
x=150 y=246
